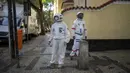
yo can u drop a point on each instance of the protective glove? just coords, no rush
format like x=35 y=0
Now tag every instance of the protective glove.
x=73 y=37
x=85 y=37
x=49 y=42
x=65 y=43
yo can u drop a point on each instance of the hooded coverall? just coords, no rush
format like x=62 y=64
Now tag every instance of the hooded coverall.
x=59 y=39
x=79 y=31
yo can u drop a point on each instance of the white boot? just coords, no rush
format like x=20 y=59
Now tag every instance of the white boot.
x=60 y=65
x=77 y=52
x=72 y=53
x=50 y=65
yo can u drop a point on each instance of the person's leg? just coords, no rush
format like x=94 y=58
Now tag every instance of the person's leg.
x=54 y=51
x=74 y=48
x=62 y=50
x=77 y=46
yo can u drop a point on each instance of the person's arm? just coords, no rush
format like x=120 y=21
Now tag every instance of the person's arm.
x=66 y=28
x=73 y=30
x=51 y=34
x=85 y=31
x=67 y=34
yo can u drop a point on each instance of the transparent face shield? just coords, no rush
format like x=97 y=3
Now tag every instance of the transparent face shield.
x=57 y=19
x=80 y=15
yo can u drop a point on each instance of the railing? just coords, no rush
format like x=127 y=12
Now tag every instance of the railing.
x=66 y=2
x=90 y=7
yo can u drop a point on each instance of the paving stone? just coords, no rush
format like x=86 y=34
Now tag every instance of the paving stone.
x=38 y=55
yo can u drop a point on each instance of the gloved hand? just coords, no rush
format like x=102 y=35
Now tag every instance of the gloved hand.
x=85 y=37
x=65 y=43
x=73 y=37
x=49 y=43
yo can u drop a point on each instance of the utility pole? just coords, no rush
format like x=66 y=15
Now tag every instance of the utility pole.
x=15 y=32
x=49 y=16
x=26 y=26
x=27 y=12
x=11 y=36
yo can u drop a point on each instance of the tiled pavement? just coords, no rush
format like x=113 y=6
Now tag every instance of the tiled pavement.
x=35 y=61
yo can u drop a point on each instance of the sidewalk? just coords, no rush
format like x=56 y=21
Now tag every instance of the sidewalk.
x=35 y=61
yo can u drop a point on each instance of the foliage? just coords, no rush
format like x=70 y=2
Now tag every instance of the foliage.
x=19 y=1
x=47 y=1
x=48 y=15
x=2 y=0
x=36 y=3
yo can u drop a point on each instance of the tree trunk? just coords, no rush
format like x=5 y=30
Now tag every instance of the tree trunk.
x=41 y=18
x=41 y=23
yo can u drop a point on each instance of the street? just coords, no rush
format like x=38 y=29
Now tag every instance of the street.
x=101 y=24
x=37 y=55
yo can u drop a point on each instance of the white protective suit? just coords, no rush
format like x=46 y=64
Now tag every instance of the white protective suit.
x=79 y=31
x=60 y=37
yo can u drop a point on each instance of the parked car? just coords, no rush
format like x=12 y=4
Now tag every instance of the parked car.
x=33 y=26
x=4 y=32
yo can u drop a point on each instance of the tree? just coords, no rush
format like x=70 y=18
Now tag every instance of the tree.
x=19 y=1
x=42 y=3
x=41 y=19
x=39 y=4
x=48 y=14
x=48 y=19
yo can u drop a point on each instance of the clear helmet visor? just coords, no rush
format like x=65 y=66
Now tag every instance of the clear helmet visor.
x=57 y=19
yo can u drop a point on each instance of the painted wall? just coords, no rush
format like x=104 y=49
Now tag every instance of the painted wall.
x=96 y=2
x=112 y=22
x=68 y=5
x=79 y=3
x=57 y=6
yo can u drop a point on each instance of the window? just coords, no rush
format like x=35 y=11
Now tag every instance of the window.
x=5 y=21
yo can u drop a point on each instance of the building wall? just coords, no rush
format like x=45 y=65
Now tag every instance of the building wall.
x=79 y=2
x=96 y=2
x=67 y=6
x=89 y=2
x=112 y=22
x=57 y=6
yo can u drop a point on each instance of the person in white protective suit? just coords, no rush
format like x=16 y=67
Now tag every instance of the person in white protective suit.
x=59 y=38
x=79 y=33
